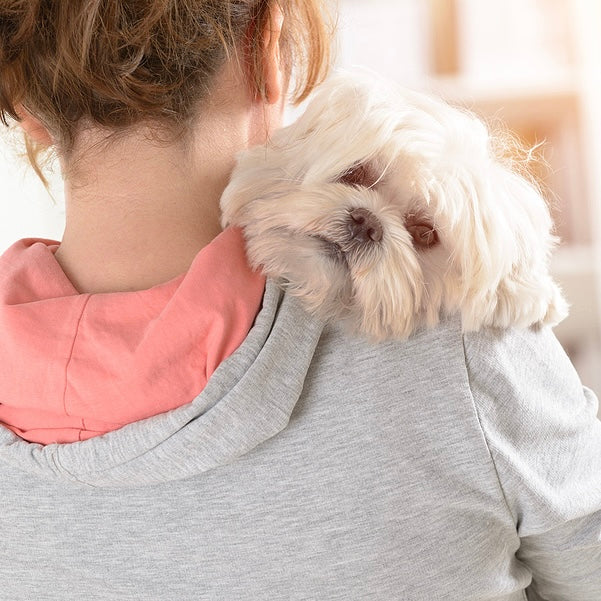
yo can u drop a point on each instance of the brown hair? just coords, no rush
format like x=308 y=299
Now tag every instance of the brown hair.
x=117 y=63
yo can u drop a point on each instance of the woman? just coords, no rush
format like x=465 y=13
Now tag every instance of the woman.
x=174 y=427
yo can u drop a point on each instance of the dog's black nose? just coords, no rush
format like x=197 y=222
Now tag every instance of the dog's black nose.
x=364 y=226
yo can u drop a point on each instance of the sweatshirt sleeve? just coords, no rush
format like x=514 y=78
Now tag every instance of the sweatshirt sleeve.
x=543 y=433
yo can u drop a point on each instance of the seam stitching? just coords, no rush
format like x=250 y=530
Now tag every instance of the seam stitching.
x=488 y=448
x=71 y=354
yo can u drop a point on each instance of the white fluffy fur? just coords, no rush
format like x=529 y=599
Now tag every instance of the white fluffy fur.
x=432 y=160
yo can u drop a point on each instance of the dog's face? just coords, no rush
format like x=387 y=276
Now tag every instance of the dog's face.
x=386 y=207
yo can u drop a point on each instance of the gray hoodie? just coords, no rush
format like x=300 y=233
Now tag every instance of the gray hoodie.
x=315 y=466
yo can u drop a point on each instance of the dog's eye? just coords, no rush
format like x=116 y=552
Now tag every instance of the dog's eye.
x=422 y=231
x=358 y=175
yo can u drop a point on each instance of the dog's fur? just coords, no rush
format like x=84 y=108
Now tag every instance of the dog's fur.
x=442 y=226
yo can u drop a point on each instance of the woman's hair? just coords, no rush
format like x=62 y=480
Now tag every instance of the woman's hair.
x=118 y=63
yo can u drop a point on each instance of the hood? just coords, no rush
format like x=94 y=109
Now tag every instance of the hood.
x=248 y=398
x=79 y=365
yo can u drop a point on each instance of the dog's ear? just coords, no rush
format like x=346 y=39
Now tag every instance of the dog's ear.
x=503 y=244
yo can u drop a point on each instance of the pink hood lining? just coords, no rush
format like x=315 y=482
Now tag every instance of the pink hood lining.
x=76 y=366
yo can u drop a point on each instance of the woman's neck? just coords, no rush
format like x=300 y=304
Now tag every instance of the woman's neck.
x=140 y=215
x=138 y=212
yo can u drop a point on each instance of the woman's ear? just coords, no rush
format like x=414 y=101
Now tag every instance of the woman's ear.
x=273 y=69
x=34 y=128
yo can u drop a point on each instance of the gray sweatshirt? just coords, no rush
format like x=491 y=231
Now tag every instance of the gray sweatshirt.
x=315 y=466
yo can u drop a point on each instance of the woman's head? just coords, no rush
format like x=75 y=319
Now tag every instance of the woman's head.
x=120 y=63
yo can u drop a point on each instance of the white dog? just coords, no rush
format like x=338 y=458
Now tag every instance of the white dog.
x=386 y=209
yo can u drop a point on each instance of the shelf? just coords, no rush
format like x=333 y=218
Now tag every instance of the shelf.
x=529 y=99
x=578 y=260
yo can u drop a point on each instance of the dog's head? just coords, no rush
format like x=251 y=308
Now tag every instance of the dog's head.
x=386 y=207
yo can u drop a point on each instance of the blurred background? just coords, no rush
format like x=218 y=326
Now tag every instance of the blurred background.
x=532 y=65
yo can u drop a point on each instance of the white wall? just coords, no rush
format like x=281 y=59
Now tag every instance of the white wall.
x=26 y=208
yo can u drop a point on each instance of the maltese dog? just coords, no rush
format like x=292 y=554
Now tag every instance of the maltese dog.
x=387 y=209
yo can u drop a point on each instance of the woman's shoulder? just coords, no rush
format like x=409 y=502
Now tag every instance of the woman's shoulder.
x=445 y=351
x=498 y=357
x=516 y=387
x=525 y=374
x=540 y=424
x=511 y=394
